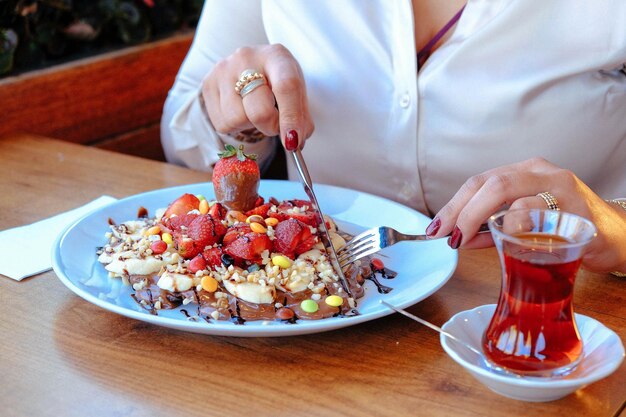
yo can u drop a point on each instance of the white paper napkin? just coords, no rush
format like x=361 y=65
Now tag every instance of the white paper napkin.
x=25 y=250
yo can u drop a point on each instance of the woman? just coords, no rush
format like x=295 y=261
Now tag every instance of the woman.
x=510 y=102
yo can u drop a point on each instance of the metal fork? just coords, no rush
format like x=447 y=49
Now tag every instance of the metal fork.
x=377 y=238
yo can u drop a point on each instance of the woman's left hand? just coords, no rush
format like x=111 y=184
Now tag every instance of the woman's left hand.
x=517 y=186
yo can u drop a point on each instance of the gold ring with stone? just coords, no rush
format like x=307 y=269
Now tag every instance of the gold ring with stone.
x=246 y=77
x=550 y=200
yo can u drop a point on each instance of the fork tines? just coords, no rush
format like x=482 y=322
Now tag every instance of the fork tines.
x=361 y=245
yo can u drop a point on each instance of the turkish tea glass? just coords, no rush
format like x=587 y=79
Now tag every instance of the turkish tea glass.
x=533 y=331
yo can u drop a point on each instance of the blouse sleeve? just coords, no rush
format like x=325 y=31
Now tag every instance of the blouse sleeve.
x=187 y=135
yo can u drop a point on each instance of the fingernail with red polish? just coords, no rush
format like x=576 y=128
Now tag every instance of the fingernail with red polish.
x=433 y=227
x=455 y=239
x=291 y=140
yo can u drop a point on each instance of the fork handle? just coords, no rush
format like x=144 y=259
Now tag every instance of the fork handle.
x=401 y=236
x=482 y=229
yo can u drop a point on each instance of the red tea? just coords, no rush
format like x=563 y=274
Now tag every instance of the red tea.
x=533 y=328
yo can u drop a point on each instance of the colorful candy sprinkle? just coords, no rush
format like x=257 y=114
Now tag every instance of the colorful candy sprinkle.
x=281 y=261
x=154 y=230
x=209 y=284
x=284 y=313
x=309 y=306
x=158 y=247
x=203 y=208
x=197 y=264
x=334 y=300
x=377 y=264
x=167 y=238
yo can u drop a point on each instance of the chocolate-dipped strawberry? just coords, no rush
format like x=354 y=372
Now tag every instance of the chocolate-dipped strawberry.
x=236 y=179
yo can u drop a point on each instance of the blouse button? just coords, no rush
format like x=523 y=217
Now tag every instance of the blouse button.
x=405 y=100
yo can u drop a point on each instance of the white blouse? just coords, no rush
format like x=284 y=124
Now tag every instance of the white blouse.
x=516 y=79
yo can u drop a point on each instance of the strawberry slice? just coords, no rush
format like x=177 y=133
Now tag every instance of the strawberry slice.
x=213 y=256
x=249 y=247
x=203 y=231
x=236 y=231
x=293 y=237
x=218 y=211
x=182 y=205
x=206 y=229
x=186 y=247
x=177 y=222
x=261 y=210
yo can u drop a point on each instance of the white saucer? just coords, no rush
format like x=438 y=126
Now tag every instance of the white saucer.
x=602 y=349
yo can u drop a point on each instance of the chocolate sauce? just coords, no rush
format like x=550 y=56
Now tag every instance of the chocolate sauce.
x=142 y=213
x=388 y=273
x=383 y=289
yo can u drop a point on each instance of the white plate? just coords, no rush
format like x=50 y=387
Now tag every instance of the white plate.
x=603 y=352
x=423 y=267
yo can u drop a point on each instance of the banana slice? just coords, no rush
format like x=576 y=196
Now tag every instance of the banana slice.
x=135 y=266
x=171 y=281
x=251 y=292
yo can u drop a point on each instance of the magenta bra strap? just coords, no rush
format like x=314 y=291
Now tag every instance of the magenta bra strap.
x=424 y=53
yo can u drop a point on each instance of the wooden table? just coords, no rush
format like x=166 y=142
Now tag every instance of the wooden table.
x=63 y=356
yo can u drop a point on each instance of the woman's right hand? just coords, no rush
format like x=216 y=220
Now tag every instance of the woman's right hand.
x=285 y=90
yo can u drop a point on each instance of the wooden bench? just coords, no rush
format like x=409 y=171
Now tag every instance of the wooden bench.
x=112 y=101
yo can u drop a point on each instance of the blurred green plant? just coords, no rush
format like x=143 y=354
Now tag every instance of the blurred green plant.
x=38 y=33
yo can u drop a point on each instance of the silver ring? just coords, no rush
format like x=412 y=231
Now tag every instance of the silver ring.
x=251 y=86
x=550 y=200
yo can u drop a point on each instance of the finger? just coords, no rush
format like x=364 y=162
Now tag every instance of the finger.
x=514 y=224
x=496 y=192
x=518 y=219
x=449 y=214
x=234 y=118
x=287 y=82
x=530 y=202
x=212 y=106
x=260 y=110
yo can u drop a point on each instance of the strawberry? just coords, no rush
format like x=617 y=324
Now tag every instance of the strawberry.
x=218 y=211
x=213 y=256
x=261 y=210
x=236 y=179
x=235 y=231
x=186 y=247
x=247 y=246
x=296 y=209
x=201 y=232
x=182 y=205
x=293 y=237
x=177 y=222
